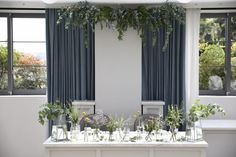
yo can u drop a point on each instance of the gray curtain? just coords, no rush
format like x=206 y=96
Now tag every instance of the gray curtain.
x=163 y=72
x=70 y=65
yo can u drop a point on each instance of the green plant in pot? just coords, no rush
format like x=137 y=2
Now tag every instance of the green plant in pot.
x=149 y=127
x=159 y=126
x=56 y=113
x=74 y=120
x=111 y=127
x=120 y=126
x=50 y=111
x=74 y=116
x=197 y=112
x=174 y=119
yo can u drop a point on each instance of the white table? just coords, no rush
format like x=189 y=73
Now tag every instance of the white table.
x=125 y=149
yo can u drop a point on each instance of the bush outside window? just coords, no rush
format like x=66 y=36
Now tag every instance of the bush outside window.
x=217 y=54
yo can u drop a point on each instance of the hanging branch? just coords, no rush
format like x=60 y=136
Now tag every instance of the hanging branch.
x=84 y=14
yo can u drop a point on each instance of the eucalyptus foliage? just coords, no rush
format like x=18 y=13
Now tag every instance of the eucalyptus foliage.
x=199 y=110
x=84 y=14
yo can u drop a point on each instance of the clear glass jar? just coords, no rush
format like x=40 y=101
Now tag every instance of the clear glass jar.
x=59 y=129
x=86 y=134
x=96 y=137
x=75 y=130
x=111 y=136
x=194 y=131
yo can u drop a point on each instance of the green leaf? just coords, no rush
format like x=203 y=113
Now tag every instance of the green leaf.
x=83 y=14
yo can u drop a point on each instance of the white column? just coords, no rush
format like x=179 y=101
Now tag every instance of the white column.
x=192 y=55
x=117 y=72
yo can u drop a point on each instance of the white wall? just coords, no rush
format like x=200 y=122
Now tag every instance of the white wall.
x=192 y=51
x=227 y=102
x=20 y=133
x=117 y=72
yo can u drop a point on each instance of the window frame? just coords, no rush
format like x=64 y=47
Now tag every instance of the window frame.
x=227 y=69
x=10 y=88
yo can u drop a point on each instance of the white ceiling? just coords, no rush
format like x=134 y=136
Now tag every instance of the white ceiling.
x=59 y=3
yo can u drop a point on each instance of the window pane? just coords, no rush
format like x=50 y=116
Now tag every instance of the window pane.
x=3 y=66
x=29 y=77
x=29 y=29
x=29 y=65
x=29 y=56
x=36 y=50
x=3 y=29
x=212 y=54
x=233 y=53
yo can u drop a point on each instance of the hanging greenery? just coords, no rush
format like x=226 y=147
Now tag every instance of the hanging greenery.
x=84 y=14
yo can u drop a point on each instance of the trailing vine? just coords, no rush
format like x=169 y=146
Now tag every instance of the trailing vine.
x=84 y=14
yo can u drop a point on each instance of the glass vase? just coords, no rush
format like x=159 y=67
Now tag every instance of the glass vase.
x=59 y=129
x=158 y=136
x=111 y=137
x=173 y=136
x=194 y=131
x=75 y=129
x=148 y=138
x=86 y=134
x=139 y=133
x=119 y=134
x=96 y=137
x=126 y=134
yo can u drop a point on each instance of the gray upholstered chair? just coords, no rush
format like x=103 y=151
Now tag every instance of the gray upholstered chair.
x=95 y=119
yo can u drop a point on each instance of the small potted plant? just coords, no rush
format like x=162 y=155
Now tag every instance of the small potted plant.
x=197 y=112
x=50 y=111
x=149 y=127
x=173 y=120
x=120 y=126
x=56 y=113
x=159 y=126
x=111 y=127
x=74 y=120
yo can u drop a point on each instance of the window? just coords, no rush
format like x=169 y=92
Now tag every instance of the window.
x=217 y=54
x=22 y=54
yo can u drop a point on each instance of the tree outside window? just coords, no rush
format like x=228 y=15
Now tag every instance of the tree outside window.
x=23 y=65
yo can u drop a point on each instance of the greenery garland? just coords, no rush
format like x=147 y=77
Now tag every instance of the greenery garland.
x=83 y=14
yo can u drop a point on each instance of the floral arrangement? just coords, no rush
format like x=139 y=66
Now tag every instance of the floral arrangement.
x=87 y=120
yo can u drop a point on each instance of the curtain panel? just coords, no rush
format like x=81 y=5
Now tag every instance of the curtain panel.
x=70 y=65
x=163 y=74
